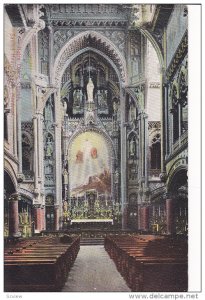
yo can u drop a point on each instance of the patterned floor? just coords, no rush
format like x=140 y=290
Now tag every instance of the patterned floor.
x=94 y=271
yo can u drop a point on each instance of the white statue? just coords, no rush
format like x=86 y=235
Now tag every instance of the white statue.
x=90 y=88
x=133 y=147
x=65 y=106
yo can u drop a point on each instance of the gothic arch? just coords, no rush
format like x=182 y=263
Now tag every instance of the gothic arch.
x=132 y=94
x=85 y=40
x=183 y=71
x=174 y=176
x=45 y=97
x=154 y=43
x=10 y=171
x=27 y=37
x=132 y=133
x=28 y=136
x=153 y=134
x=79 y=53
x=7 y=96
x=27 y=194
x=175 y=87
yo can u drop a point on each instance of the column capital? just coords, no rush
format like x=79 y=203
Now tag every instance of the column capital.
x=163 y=176
x=15 y=197
x=20 y=177
x=37 y=206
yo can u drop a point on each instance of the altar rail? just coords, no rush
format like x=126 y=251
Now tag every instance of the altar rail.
x=39 y=263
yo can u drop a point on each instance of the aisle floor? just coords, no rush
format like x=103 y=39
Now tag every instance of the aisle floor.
x=94 y=271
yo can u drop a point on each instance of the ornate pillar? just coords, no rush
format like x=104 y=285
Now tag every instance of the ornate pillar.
x=37 y=217
x=18 y=111
x=179 y=112
x=14 y=216
x=141 y=221
x=58 y=162
x=15 y=135
x=146 y=218
x=43 y=223
x=142 y=143
x=123 y=160
x=56 y=217
x=166 y=133
x=50 y=52
x=139 y=146
x=162 y=121
x=170 y=216
x=146 y=145
x=40 y=146
x=36 y=172
x=139 y=217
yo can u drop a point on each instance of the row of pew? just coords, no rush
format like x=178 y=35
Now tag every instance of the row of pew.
x=39 y=263
x=150 y=263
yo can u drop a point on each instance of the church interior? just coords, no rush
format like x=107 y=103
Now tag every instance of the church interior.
x=96 y=147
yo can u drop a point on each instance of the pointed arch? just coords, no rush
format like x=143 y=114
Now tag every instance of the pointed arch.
x=96 y=41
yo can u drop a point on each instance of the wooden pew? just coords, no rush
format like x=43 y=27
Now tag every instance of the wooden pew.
x=40 y=264
x=136 y=257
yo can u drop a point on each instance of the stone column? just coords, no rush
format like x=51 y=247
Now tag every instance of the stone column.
x=43 y=223
x=56 y=217
x=179 y=114
x=139 y=146
x=18 y=111
x=123 y=160
x=141 y=218
x=40 y=152
x=15 y=122
x=170 y=216
x=146 y=218
x=166 y=133
x=35 y=152
x=142 y=145
x=50 y=52
x=171 y=122
x=14 y=216
x=162 y=121
x=146 y=146
x=58 y=156
x=37 y=217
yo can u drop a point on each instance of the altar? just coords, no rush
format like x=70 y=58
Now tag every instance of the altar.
x=92 y=223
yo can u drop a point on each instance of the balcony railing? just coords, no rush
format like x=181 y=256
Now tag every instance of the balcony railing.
x=183 y=139
x=28 y=174
x=154 y=172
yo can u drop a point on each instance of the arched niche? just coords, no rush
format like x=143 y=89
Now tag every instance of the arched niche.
x=178 y=192
x=91 y=170
x=75 y=79
x=89 y=39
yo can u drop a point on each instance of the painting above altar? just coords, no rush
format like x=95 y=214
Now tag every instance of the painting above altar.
x=90 y=165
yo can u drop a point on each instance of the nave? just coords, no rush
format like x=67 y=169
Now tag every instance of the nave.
x=94 y=271
x=96 y=147
x=126 y=262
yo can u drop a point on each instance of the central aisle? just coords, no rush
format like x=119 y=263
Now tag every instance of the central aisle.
x=94 y=271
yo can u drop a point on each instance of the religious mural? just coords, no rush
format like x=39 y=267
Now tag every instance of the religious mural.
x=89 y=164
